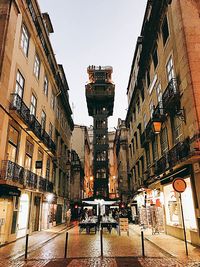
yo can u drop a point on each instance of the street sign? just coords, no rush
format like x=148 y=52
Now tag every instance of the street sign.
x=179 y=185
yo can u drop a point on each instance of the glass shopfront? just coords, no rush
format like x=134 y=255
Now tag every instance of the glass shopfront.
x=173 y=209
x=150 y=208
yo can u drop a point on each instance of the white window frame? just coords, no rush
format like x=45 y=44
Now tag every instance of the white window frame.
x=25 y=39
x=36 y=67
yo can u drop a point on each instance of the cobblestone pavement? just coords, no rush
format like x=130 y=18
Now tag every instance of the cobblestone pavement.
x=99 y=262
x=84 y=251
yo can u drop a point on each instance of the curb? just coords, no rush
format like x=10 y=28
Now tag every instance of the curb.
x=155 y=245
x=37 y=246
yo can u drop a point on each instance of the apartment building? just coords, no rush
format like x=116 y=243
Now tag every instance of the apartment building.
x=121 y=162
x=113 y=181
x=35 y=123
x=163 y=117
x=81 y=144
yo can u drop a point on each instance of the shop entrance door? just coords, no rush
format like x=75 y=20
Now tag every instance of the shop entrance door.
x=23 y=215
x=37 y=215
x=59 y=214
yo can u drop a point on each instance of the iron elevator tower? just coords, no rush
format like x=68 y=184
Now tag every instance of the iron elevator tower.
x=100 y=92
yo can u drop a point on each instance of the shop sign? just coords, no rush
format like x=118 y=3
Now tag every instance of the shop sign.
x=179 y=185
x=38 y=164
x=6 y=190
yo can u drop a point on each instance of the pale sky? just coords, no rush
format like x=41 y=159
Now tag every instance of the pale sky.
x=95 y=32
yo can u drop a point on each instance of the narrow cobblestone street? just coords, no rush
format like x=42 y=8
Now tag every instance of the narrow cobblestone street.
x=84 y=251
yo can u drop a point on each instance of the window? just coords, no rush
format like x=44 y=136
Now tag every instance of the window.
x=28 y=155
x=43 y=120
x=155 y=58
x=170 y=69
x=155 y=149
x=19 y=87
x=50 y=130
x=138 y=104
x=145 y=120
x=148 y=155
x=133 y=145
x=151 y=108
x=164 y=140
x=46 y=85
x=25 y=40
x=13 y=138
x=53 y=100
x=33 y=105
x=177 y=130
x=159 y=94
x=136 y=140
x=130 y=149
x=148 y=79
x=165 y=30
x=142 y=165
x=138 y=168
x=48 y=169
x=36 y=68
x=39 y=158
x=101 y=173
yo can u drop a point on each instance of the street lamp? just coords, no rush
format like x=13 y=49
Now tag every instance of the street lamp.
x=160 y=115
x=157 y=126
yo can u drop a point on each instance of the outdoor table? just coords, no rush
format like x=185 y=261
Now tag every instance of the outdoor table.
x=88 y=225
x=109 y=224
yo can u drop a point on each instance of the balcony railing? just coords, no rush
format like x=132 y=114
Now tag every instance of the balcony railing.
x=42 y=184
x=31 y=179
x=161 y=165
x=21 y=108
x=171 y=95
x=23 y=111
x=178 y=152
x=148 y=134
x=35 y=126
x=11 y=171
x=175 y=155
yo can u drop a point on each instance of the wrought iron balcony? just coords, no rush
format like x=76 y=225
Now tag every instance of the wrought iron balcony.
x=21 y=108
x=11 y=171
x=31 y=179
x=179 y=152
x=161 y=165
x=147 y=135
x=42 y=184
x=30 y=120
x=35 y=126
x=171 y=96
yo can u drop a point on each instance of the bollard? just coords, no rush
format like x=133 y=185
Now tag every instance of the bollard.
x=66 y=241
x=142 y=239
x=26 y=246
x=101 y=241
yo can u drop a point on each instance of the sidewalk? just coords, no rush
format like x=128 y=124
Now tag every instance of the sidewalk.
x=170 y=245
x=16 y=249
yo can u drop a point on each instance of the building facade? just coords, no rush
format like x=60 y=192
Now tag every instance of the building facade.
x=121 y=161
x=35 y=123
x=81 y=144
x=113 y=181
x=100 y=100
x=163 y=117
